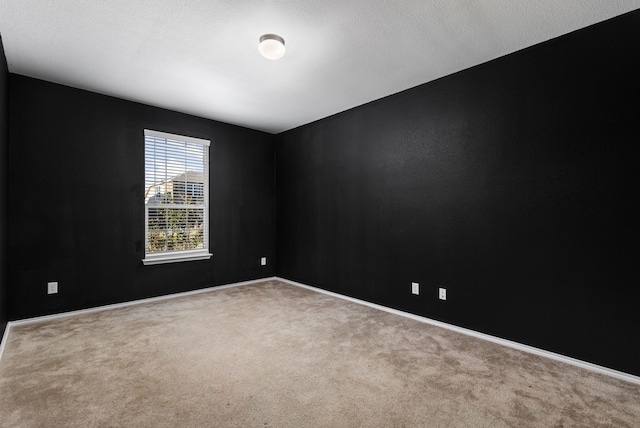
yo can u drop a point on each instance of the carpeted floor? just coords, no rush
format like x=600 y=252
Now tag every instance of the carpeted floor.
x=275 y=355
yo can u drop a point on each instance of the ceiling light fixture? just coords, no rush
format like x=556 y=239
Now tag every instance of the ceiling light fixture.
x=271 y=46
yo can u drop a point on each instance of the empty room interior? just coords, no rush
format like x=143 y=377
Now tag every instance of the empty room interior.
x=338 y=213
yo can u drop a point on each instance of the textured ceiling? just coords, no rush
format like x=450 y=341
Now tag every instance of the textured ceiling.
x=201 y=57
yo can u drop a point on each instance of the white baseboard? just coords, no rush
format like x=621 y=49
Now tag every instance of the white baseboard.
x=135 y=302
x=5 y=336
x=511 y=344
x=504 y=342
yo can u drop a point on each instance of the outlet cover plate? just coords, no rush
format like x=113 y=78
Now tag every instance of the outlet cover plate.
x=52 y=287
x=415 y=288
x=442 y=293
x=263 y=261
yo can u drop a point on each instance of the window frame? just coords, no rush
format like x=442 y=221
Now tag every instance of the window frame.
x=174 y=256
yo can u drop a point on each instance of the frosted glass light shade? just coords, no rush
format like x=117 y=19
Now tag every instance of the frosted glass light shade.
x=271 y=46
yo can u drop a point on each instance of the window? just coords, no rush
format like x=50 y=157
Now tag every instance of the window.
x=176 y=198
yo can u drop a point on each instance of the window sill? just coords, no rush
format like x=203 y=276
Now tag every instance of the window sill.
x=181 y=256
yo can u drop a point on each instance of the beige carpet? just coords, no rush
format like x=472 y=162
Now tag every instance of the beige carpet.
x=275 y=355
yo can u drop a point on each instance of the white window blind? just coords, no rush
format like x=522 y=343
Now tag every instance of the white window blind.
x=176 y=198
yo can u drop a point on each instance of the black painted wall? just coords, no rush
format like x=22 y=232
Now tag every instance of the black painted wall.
x=513 y=184
x=76 y=213
x=4 y=118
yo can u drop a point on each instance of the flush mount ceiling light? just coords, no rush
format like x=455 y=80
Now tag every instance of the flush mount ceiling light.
x=271 y=46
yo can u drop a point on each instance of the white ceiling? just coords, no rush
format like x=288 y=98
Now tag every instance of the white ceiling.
x=201 y=56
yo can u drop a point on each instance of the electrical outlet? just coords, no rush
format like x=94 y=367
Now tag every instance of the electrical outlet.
x=263 y=261
x=415 y=288
x=442 y=293
x=52 y=287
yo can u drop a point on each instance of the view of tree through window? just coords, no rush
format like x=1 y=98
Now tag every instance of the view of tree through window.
x=175 y=193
